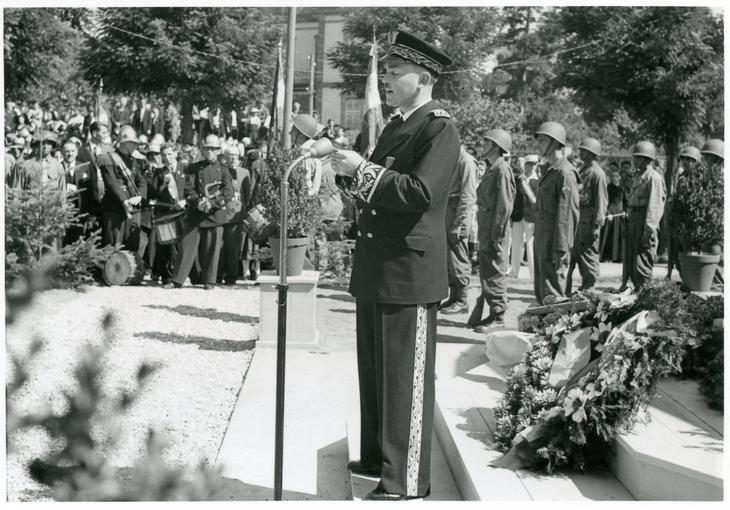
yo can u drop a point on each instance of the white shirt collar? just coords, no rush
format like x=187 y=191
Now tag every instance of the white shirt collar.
x=415 y=107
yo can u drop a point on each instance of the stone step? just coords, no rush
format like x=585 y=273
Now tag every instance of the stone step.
x=678 y=454
x=465 y=424
x=443 y=487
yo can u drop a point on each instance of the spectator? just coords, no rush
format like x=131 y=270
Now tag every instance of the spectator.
x=612 y=238
x=523 y=230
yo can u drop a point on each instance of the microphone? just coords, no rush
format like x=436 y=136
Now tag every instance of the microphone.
x=319 y=149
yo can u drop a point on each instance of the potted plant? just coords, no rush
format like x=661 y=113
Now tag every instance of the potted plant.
x=304 y=210
x=697 y=214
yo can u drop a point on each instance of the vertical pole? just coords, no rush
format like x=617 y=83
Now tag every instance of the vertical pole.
x=312 y=65
x=288 y=96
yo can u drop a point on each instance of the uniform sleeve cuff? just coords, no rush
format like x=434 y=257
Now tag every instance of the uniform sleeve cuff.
x=366 y=179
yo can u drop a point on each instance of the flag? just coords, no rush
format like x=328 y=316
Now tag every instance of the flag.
x=373 y=119
x=277 y=103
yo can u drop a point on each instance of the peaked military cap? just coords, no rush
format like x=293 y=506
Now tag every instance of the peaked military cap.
x=412 y=49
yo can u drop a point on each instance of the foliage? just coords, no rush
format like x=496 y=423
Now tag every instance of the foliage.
x=465 y=34
x=697 y=210
x=547 y=427
x=35 y=220
x=75 y=467
x=474 y=118
x=305 y=213
x=333 y=253
x=41 y=50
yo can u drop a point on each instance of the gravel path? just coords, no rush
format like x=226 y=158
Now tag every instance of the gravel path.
x=201 y=341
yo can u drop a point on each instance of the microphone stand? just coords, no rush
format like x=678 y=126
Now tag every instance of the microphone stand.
x=282 y=293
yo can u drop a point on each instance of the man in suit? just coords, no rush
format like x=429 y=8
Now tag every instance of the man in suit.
x=558 y=209
x=90 y=152
x=399 y=272
x=125 y=187
x=208 y=188
x=230 y=259
x=593 y=205
x=79 y=191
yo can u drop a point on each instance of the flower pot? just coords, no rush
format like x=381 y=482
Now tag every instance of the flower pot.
x=296 y=248
x=698 y=270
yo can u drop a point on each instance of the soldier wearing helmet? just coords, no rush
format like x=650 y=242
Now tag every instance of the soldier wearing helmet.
x=645 y=210
x=495 y=199
x=208 y=188
x=593 y=205
x=713 y=152
x=459 y=213
x=558 y=210
x=125 y=189
x=689 y=160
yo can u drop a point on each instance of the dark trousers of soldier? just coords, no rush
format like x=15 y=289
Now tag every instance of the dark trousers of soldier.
x=639 y=259
x=118 y=229
x=396 y=347
x=230 y=259
x=584 y=255
x=163 y=263
x=549 y=275
x=458 y=262
x=204 y=242
x=493 y=276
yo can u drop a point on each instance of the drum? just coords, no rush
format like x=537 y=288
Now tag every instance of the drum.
x=169 y=227
x=121 y=269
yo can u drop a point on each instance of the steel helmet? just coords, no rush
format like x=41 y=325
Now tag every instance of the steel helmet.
x=128 y=134
x=591 y=145
x=554 y=130
x=501 y=138
x=691 y=153
x=644 y=149
x=306 y=124
x=715 y=147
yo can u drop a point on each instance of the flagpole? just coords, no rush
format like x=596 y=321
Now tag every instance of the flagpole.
x=275 y=120
x=288 y=96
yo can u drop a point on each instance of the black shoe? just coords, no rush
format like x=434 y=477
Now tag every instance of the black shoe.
x=208 y=286
x=456 y=308
x=364 y=469
x=490 y=322
x=172 y=285
x=378 y=494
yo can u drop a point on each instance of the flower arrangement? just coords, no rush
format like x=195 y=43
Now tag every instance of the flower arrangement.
x=634 y=341
x=304 y=210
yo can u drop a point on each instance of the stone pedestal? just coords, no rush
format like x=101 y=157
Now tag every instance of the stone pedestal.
x=301 y=321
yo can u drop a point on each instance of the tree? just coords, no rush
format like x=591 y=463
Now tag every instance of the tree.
x=41 y=56
x=205 y=56
x=465 y=34
x=662 y=65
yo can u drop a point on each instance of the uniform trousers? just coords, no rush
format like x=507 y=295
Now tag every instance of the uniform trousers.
x=229 y=269
x=522 y=238
x=396 y=348
x=118 y=229
x=549 y=274
x=639 y=260
x=584 y=255
x=493 y=256
x=457 y=262
x=204 y=242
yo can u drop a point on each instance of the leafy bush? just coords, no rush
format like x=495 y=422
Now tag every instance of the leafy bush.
x=35 y=221
x=305 y=212
x=75 y=467
x=697 y=209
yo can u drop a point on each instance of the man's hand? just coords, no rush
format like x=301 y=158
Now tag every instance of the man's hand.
x=135 y=201
x=647 y=238
x=455 y=234
x=345 y=162
x=181 y=204
x=560 y=258
x=596 y=234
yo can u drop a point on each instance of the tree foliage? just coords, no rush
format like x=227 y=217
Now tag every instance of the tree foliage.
x=465 y=34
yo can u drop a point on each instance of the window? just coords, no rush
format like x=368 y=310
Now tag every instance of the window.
x=352 y=113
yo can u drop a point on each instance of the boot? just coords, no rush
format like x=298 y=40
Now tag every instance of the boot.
x=451 y=299
x=459 y=305
x=491 y=322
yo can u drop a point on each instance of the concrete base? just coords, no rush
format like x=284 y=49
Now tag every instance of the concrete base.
x=301 y=320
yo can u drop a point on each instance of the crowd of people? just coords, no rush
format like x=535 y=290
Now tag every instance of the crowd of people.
x=177 y=207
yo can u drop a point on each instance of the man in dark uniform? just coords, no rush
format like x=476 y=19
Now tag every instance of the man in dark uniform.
x=208 y=188
x=459 y=213
x=713 y=158
x=399 y=273
x=495 y=198
x=558 y=209
x=689 y=159
x=593 y=204
x=646 y=207
x=125 y=187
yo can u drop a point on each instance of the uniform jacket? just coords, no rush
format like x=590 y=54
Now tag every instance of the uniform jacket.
x=495 y=197
x=593 y=196
x=463 y=195
x=198 y=175
x=402 y=193
x=558 y=205
x=117 y=187
x=650 y=192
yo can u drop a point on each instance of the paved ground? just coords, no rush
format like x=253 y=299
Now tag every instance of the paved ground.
x=321 y=395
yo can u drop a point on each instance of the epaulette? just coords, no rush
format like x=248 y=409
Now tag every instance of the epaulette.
x=440 y=113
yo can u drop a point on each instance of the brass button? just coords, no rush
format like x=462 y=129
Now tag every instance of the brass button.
x=359 y=234
x=373 y=212
x=370 y=235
